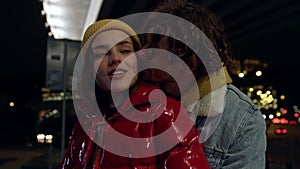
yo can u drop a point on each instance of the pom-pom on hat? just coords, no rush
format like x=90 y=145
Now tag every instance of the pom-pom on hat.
x=107 y=24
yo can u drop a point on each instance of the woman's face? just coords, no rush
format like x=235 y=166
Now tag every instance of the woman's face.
x=116 y=72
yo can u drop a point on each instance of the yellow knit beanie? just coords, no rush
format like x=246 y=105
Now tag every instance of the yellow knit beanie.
x=107 y=24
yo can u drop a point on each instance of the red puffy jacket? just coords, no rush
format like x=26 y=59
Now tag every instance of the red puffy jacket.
x=150 y=134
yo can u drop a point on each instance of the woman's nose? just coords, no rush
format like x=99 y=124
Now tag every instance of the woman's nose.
x=114 y=58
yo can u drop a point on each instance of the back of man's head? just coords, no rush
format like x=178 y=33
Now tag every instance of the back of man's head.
x=208 y=22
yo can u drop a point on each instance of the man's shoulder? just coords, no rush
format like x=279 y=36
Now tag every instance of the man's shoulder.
x=239 y=107
x=235 y=96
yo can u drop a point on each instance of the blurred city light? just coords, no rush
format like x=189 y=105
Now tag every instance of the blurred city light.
x=281 y=131
x=49 y=139
x=42 y=138
x=284 y=111
x=258 y=73
x=241 y=75
x=11 y=104
x=275 y=120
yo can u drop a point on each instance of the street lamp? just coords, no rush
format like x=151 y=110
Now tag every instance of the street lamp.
x=68 y=19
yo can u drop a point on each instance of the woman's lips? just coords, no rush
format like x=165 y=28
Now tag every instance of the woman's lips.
x=117 y=73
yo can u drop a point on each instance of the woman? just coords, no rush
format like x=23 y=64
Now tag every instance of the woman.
x=137 y=126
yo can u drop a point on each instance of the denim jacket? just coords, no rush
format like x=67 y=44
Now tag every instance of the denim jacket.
x=239 y=139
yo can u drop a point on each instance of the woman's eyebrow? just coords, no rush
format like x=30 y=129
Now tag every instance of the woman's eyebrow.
x=104 y=46
x=124 y=42
x=100 y=47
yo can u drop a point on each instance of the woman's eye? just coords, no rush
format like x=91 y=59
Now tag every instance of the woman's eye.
x=126 y=51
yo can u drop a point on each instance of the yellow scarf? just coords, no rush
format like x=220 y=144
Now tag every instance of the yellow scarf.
x=205 y=85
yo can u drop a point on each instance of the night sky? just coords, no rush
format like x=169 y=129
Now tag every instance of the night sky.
x=24 y=40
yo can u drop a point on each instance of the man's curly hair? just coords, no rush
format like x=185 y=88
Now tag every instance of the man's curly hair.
x=209 y=23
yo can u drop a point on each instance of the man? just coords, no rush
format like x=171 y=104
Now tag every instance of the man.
x=231 y=126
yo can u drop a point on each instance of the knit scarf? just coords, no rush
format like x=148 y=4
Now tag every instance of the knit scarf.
x=207 y=100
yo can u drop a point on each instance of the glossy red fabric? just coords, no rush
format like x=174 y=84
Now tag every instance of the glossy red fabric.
x=186 y=154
